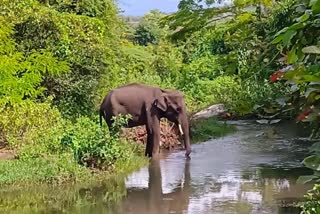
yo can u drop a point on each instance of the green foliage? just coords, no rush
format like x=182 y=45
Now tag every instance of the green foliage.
x=78 y=33
x=21 y=74
x=206 y=129
x=91 y=8
x=93 y=146
x=300 y=42
x=148 y=30
x=311 y=205
x=76 y=51
x=32 y=127
x=51 y=169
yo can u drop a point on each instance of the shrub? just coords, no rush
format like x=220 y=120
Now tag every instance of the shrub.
x=33 y=129
x=311 y=205
x=95 y=146
x=226 y=90
x=242 y=97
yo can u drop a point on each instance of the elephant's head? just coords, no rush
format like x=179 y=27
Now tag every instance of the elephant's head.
x=171 y=105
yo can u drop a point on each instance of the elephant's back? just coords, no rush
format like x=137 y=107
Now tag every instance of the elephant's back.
x=134 y=92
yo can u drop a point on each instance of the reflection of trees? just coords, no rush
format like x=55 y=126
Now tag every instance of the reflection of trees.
x=152 y=200
x=264 y=171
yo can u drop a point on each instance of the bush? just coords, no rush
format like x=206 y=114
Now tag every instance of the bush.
x=242 y=97
x=33 y=129
x=94 y=146
x=50 y=149
x=311 y=205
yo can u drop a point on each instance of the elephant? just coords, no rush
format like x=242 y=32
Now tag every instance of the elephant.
x=147 y=105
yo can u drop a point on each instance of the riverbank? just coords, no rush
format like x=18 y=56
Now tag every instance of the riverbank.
x=59 y=168
x=249 y=169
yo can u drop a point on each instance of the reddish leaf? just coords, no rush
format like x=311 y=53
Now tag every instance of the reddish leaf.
x=304 y=114
x=274 y=77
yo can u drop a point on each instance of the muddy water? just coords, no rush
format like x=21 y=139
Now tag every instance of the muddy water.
x=251 y=171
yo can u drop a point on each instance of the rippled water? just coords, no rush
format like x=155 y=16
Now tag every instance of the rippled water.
x=253 y=170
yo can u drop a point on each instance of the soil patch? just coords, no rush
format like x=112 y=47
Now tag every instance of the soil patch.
x=169 y=135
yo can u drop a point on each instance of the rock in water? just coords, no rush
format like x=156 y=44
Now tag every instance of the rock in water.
x=211 y=111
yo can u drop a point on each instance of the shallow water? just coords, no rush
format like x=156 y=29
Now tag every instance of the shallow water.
x=253 y=170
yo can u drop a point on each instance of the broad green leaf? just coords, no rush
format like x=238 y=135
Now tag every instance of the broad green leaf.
x=282 y=31
x=288 y=36
x=305 y=179
x=315 y=6
x=309 y=91
x=292 y=57
x=315 y=147
x=312 y=162
x=278 y=39
x=303 y=18
x=312 y=2
x=311 y=49
x=311 y=78
x=317 y=97
x=297 y=26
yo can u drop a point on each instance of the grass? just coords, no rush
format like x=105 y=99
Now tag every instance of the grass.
x=41 y=170
x=206 y=129
x=27 y=184
x=62 y=168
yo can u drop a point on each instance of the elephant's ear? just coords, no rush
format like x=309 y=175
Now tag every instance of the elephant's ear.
x=161 y=103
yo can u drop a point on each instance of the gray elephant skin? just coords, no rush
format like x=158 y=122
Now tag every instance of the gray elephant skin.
x=147 y=105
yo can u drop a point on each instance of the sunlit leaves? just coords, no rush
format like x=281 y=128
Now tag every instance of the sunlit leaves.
x=185 y=22
x=21 y=74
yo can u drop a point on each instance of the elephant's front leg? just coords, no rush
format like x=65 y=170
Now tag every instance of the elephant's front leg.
x=149 y=146
x=153 y=136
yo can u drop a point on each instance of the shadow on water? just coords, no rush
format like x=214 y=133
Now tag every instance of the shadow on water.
x=251 y=171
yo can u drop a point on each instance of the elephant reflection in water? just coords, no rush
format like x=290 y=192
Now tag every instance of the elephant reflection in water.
x=152 y=200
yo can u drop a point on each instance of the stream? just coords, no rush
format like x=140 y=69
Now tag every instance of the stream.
x=253 y=170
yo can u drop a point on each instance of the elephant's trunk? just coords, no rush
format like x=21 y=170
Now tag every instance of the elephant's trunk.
x=184 y=131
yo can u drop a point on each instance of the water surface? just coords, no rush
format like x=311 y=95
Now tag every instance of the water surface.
x=251 y=171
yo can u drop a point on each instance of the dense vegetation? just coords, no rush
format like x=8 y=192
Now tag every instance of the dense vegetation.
x=59 y=58
x=53 y=58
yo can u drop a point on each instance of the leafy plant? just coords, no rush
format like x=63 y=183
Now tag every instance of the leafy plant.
x=21 y=73
x=93 y=146
x=311 y=205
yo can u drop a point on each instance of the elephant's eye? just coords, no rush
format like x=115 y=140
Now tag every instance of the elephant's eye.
x=178 y=109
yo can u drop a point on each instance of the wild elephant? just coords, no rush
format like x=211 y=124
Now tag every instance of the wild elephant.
x=147 y=105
